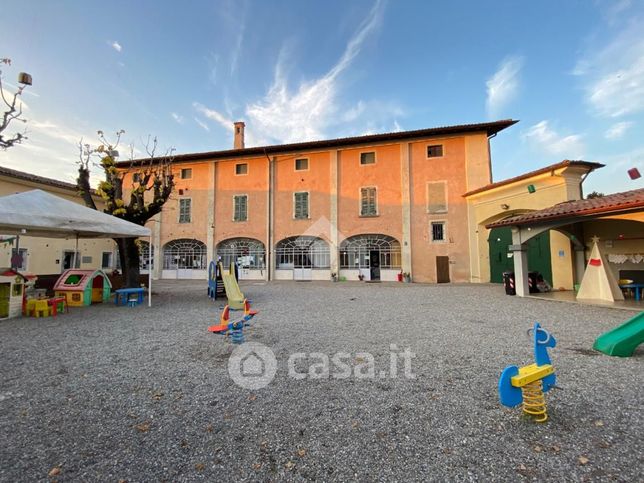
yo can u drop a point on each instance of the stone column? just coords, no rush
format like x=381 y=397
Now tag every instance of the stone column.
x=333 y=214
x=405 y=191
x=210 y=227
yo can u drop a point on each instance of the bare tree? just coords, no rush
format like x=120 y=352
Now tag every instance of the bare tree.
x=150 y=185
x=13 y=109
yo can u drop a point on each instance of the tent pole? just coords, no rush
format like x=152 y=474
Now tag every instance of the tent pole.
x=75 y=253
x=17 y=253
x=150 y=272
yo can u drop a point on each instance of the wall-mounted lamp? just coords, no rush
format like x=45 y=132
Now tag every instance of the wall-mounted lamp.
x=504 y=206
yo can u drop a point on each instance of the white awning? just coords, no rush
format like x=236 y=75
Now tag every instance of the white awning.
x=40 y=214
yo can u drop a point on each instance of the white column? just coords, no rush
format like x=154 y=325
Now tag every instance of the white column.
x=520 y=256
x=580 y=264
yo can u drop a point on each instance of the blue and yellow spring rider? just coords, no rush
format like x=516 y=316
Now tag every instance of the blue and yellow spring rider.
x=528 y=383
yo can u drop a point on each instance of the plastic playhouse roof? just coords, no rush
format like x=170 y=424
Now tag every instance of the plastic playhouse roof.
x=38 y=213
x=84 y=277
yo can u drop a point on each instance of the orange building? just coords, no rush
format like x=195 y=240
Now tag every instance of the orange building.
x=368 y=206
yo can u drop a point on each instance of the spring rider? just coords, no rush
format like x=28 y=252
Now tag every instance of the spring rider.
x=234 y=329
x=528 y=383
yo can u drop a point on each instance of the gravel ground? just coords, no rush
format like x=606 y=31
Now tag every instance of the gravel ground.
x=116 y=393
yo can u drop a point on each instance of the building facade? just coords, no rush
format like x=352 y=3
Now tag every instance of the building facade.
x=49 y=256
x=366 y=207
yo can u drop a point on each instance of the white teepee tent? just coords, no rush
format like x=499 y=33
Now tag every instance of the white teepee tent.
x=598 y=282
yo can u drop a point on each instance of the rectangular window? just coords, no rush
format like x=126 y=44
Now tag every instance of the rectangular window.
x=438 y=231
x=437 y=197
x=301 y=164
x=186 y=173
x=106 y=260
x=301 y=206
x=185 y=205
x=435 y=151
x=368 y=202
x=20 y=262
x=241 y=168
x=368 y=158
x=240 y=208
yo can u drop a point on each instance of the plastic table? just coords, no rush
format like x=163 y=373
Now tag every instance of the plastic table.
x=122 y=295
x=636 y=286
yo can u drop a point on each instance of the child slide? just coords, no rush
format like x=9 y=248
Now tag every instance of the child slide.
x=623 y=340
x=234 y=294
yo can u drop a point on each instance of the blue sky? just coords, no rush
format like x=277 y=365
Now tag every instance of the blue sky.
x=571 y=71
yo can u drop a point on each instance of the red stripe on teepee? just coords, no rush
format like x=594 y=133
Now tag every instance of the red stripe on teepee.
x=595 y=262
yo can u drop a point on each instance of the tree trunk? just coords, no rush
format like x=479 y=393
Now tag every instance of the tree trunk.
x=130 y=261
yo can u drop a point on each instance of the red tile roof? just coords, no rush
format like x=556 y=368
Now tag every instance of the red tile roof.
x=615 y=203
x=490 y=128
x=563 y=164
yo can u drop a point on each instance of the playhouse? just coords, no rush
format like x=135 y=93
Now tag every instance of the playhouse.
x=83 y=287
x=12 y=289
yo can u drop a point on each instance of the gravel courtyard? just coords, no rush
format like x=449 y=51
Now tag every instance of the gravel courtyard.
x=111 y=393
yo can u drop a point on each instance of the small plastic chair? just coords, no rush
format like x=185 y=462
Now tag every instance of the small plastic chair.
x=42 y=308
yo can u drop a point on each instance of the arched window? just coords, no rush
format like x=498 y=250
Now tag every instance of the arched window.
x=184 y=253
x=144 y=255
x=356 y=251
x=302 y=252
x=245 y=252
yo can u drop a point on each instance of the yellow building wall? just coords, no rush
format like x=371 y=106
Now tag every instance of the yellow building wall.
x=486 y=207
x=45 y=255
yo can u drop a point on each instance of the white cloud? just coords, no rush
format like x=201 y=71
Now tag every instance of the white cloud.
x=214 y=115
x=201 y=124
x=306 y=112
x=286 y=115
x=115 y=45
x=503 y=86
x=614 y=75
x=542 y=137
x=617 y=130
x=178 y=118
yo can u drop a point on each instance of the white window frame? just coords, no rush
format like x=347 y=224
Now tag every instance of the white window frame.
x=444 y=183
x=247 y=210
x=179 y=211
x=242 y=174
x=308 y=205
x=79 y=259
x=181 y=173
x=111 y=265
x=360 y=202
x=375 y=158
x=428 y=145
x=308 y=164
x=431 y=231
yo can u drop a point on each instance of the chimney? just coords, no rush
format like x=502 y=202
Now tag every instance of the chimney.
x=239 y=135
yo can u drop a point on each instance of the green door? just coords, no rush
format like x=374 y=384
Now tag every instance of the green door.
x=538 y=254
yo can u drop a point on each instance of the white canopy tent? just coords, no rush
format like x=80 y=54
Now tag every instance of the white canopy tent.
x=40 y=214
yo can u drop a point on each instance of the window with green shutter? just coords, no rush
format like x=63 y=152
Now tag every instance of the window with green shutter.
x=368 y=202
x=185 y=205
x=301 y=206
x=240 y=208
